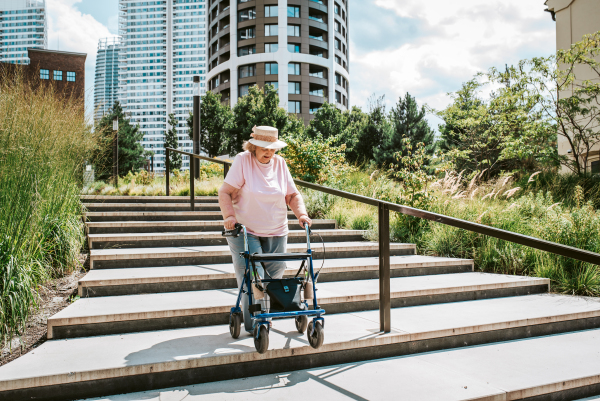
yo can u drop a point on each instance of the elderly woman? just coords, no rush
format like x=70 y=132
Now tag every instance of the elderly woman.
x=256 y=193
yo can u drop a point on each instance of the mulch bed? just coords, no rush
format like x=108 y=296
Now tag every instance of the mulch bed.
x=55 y=295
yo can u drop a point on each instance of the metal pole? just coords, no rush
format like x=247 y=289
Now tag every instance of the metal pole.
x=193 y=163
x=116 y=158
x=225 y=170
x=152 y=162
x=385 y=311
x=196 y=125
x=167 y=171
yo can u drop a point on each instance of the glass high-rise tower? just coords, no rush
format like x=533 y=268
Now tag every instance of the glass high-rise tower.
x=22 y=26
x=106 y=81
x=163 y=45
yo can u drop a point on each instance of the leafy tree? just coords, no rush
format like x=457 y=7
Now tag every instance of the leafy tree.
x=371 y=131
x=172 y=142
x=131 y=153
x=407 y=122
x=215 y=122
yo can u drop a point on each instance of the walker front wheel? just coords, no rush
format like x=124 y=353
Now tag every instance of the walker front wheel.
x=235 y=324
x=318 y=335
x=301 y=323
x=262 y=342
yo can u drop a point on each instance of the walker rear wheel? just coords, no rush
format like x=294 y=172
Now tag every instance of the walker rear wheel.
x=262 y=342
x=301 y=323
x=235 y=324
x=318 y=335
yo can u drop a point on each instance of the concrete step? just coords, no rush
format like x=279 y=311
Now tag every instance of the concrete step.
x=195 y=255
x=97 y=366
x=132 y=227
x=106 y=282
x=130 y=313
x=557 y=367
x=146 y=199
x=156 y=216
x=150 y=207
x=152 y=240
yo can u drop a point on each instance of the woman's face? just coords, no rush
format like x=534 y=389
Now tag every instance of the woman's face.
x=264 y=155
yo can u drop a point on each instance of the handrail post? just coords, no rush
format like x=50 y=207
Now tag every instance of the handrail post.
x=167 y=170
x=385 y=312
x=192 y=165
x=225 y=170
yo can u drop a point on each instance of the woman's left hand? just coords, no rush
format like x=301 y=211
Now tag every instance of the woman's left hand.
x=304 y=219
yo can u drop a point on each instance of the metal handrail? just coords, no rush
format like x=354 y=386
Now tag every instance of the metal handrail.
x=385 y=207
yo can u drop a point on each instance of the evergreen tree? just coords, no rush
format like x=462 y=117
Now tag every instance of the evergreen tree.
x=371 y=132
x=131 y=152
x=406 y=121
x=172 y=142
x=215 y=123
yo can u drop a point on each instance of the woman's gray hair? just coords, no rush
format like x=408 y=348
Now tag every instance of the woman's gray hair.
x=249 y=147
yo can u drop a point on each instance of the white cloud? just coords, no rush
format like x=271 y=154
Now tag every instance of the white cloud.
x=455 y=40
x=77 y=33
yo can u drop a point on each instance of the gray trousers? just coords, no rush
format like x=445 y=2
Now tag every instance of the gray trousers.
x=274 y=269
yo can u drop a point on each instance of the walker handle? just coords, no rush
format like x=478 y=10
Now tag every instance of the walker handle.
x=233 y=233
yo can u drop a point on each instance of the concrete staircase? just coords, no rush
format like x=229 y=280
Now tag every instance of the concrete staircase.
x=154 y=309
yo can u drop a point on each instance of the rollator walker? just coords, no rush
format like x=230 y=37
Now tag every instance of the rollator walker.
x=284 y=294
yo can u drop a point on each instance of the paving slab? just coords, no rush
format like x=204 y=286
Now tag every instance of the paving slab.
x=496 y=372
x=333 y=297
x=117 y=356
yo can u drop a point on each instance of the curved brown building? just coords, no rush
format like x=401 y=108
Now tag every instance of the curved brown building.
x=300 y=46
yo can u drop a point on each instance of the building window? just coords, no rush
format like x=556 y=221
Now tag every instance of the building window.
x=244 y=89
x=338 y=44
x=247 y=71
x=293 y=30
x=336 y=8
x=338 y=26
x=271 y=47
x=271 y=11
x=293 y=48
x=271 y=30
x=271 y=69
x=338 y=60
x=596 y=167
x=294 y=88
x=294 y=68
x=274 y=84
x=293 y=12
x=44 y=74
x=338 y=79
x=246 y=50
x=57 y=76
x=246 y=33
x=294 y=107
x=70 y=76
x=247 y=14
x=338 y=97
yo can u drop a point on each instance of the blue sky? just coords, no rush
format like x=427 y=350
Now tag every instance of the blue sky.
x=424 y=47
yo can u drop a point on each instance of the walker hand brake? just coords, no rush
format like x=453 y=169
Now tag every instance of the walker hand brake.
x=233 y=233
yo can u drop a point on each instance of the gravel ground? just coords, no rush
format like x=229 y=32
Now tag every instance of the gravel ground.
x=55 y=295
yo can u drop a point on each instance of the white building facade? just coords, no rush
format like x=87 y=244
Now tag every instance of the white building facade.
x=163 y=45
x=106 y=78
x=22 y=26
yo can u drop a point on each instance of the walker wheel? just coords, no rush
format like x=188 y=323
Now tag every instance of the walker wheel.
x=235 y=324
x=301 y=323
x=316 y=340
x=262 y=342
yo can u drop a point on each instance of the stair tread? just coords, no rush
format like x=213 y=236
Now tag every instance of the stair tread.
x=92 y=358
x=181 y=223
x=182 y=204
x=508 y=370
x=115 y=197
x=145 y=306
x=225 y=270
x=139 y=253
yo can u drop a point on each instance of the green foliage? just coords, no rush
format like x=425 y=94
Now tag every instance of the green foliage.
x=171 y=141
x=216 y=121
x=407 y=121
x=131 y=153
x=369 y=131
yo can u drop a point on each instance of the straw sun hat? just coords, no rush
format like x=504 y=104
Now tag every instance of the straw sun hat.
x=266 y=137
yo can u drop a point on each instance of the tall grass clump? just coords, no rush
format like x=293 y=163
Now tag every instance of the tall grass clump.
x=44 y=142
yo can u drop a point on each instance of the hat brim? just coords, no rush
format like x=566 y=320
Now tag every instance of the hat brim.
x=268 y=145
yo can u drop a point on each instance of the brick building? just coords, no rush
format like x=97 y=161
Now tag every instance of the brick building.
x=65 y=70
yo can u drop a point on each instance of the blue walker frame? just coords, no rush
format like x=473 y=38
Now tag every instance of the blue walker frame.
x=261 y=319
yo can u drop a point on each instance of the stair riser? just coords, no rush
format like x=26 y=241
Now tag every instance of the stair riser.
x=201 y=260
x=208 y=242
x=161 y=217
x=150 y=199
x=178 y=208
x=176 y=229
x=216 y=284
x=183 y=377
x=95 y=329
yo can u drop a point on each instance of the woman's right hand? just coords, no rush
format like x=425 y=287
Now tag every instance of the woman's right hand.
x=230 y=223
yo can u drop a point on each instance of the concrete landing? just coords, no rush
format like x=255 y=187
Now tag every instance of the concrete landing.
x=564 y=364
x=133 y=359
x=334 y=297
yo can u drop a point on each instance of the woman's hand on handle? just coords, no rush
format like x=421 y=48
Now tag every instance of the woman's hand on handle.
x=304 y=219
x=230 y=223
